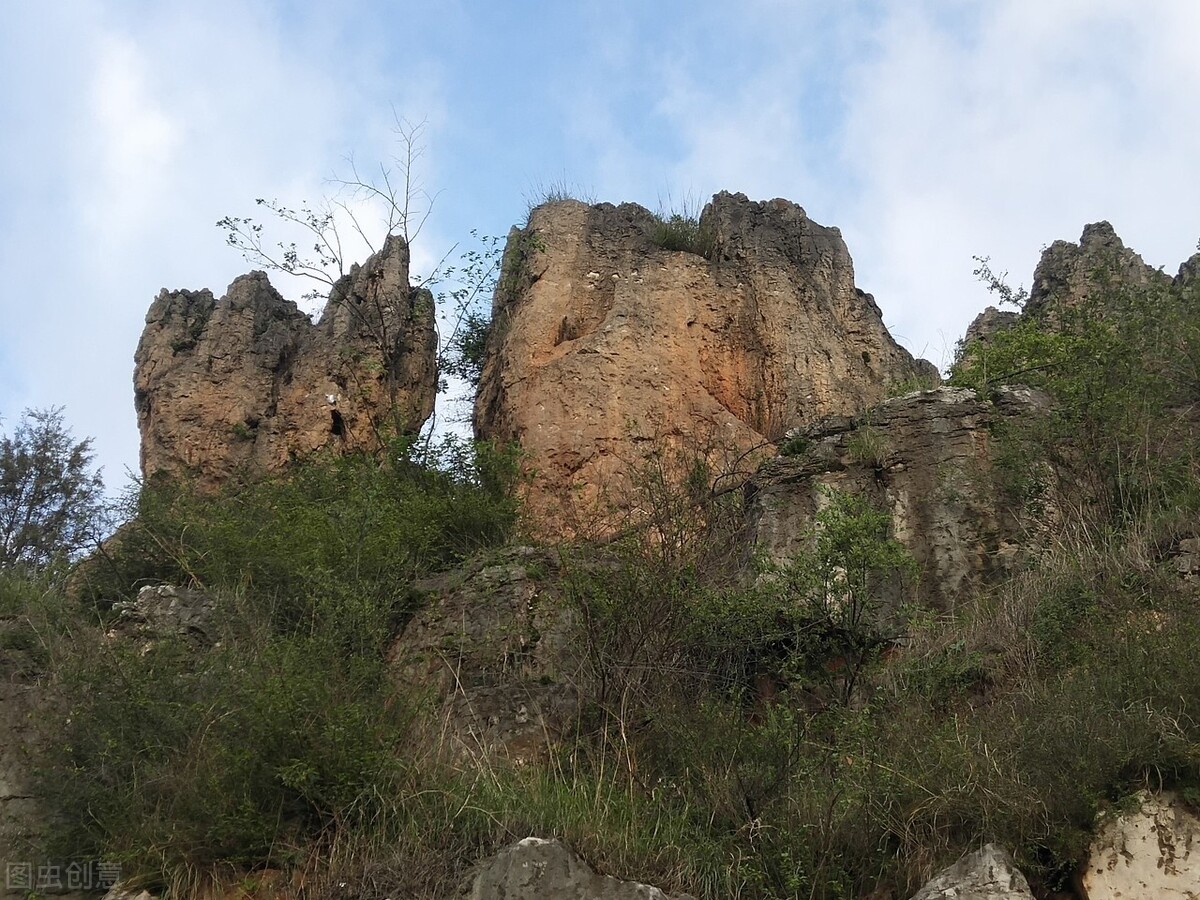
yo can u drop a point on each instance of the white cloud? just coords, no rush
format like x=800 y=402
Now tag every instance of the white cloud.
x=1011 y=133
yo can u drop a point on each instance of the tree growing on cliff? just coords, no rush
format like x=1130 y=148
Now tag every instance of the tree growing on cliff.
x=360 y=205
x=49 y=494
x=389 y=198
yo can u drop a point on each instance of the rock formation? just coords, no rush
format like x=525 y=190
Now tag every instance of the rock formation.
x=1070 y=274
x=929 y=459
x=1146 y=852
x=607 y=348
x=537 y=869
x=986 y=874
x=246 y=384
x=493 y=646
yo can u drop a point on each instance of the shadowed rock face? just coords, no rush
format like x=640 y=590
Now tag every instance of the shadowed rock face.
x=247 y=384
x=606 y=348
x=1069 y=274
x=928 y=459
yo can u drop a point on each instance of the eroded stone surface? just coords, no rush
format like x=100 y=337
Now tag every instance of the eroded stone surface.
x=606 y=349
x=537 y=869
x=494 y=645
x=162 y=611
x=986 y=874
x=1068 y=274
x=928 y=459
x=1151 y=851
x=247 y=384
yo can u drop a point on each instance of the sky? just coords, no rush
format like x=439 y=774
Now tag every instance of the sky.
x=929 y=131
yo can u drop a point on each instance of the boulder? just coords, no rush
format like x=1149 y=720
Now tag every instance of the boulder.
x=1152 y=850
x=162 y=610
x=1069 y=275
x=493 y=645
x=247 y=384
x=537 y=869
x=986 y=874
x=930 y=459
x=608 y=352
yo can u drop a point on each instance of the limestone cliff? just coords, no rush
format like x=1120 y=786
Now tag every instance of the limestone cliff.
x=248 y=383
x=607 y=348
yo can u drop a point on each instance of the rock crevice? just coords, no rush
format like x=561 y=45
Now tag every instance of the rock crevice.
x=247 y=384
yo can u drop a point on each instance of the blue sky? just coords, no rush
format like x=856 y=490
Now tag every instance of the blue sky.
x=929 y=131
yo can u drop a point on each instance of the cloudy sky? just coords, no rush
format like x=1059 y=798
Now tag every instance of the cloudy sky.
x=929 y=131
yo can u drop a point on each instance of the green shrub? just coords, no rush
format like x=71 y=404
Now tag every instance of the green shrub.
x=1122 y=368
x=682 y=232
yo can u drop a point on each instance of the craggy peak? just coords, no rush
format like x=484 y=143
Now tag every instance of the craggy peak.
x=731 y=597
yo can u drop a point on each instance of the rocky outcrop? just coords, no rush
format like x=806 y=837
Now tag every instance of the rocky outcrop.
x=986 y=874
x=1069 y=275
x=163 y=611
x=1152 y=850
x=537 y=869
x=494 y=646
x=989 y=323
x=607 y=349
x=246 y=384
x=930 y=459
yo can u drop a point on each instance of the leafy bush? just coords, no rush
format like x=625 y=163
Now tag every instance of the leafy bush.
x=1124 y=371
x=345 y=526
x=289 y=730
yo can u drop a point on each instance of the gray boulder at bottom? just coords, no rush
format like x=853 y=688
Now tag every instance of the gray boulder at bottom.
x=986 y=874
x=537 y=869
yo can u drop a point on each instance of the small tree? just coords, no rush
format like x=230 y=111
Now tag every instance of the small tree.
x=840 y=587
x=49 y=494
x=387 y=198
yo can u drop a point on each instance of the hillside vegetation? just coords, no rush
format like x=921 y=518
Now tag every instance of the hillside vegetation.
x=742 y=731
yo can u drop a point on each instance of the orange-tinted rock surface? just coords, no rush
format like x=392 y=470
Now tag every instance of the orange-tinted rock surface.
x=246 y=384
x=607 y=348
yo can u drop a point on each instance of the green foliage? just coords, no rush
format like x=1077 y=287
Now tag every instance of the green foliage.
x=1123 y=369
x=795 y=445
x=333 y=530
x=841 y=588
x=172 y=760
x=50 y=497
x=869 y=446
x=682 y=232
x=681 y=229
x=290 y=729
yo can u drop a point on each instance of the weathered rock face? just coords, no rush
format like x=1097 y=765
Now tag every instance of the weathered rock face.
x=606 y=348
x=494 y=646
x=163 y=611
x=1152 y=851
x=247 y=384
x=1069 y=274
x=989 y=323
x=536 y=869
x=986 y=874
x=928 y=458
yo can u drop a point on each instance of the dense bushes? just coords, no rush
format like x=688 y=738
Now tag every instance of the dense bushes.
x=1123 y=367
x=289 y=729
